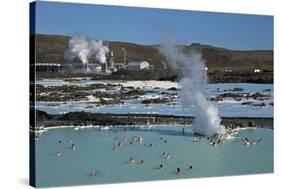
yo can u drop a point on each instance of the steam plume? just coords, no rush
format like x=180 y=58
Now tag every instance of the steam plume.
x=191 y=67
x=83 y=47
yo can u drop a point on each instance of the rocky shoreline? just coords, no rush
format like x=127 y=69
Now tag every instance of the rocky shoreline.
x=45 y=120
x=213 y=77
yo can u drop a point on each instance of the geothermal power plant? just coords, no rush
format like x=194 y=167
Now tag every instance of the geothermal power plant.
x=83 y=48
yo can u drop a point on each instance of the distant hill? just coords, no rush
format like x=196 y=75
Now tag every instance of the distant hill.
x=50 y=48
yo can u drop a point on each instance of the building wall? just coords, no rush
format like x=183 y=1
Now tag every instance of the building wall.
x=138 y=65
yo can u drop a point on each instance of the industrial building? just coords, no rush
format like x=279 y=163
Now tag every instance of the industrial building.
x=109 y=67
x=138 y=65
x=120 y=65
x=47 y=67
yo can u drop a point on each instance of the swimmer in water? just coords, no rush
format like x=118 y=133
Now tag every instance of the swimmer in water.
x=119 y=144
x=178 y=172
x=131 y=161
x=190 y=167
x=142 y=162
x=95 y=173
x=58 y=154
x=168 y=156
x=73 y=147
x=59 y=142
x=161 y=167
x=246 y=141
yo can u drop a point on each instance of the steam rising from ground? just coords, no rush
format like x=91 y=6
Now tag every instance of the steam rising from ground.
x=84 y=48
x=191 y=68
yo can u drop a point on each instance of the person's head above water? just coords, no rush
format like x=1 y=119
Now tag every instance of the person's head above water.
x=178 y=171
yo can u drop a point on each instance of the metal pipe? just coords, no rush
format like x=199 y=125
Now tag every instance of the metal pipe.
x=124 y=54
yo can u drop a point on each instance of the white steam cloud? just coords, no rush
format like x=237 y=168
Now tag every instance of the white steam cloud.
x=191 y=68
x=83 y=47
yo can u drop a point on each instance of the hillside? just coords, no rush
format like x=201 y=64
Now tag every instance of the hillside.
x=50 y=48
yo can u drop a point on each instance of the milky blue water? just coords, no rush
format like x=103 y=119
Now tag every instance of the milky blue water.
x=94 y=148
x=94 y=151
x=227 y=108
